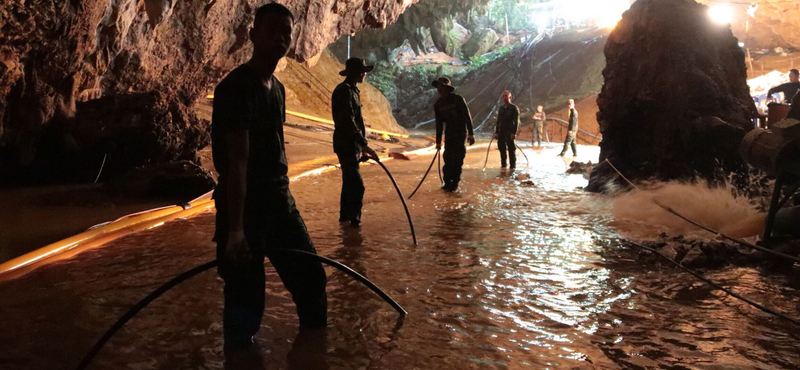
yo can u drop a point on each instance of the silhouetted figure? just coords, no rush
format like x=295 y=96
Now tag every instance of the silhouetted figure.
x=538 y=125
x=350 y=140
x=794 y=112
x=256 y=213
x=506 y=130
x=789 y=89
x=452 y=117
x=572 y=131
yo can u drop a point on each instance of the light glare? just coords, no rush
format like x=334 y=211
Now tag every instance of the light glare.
x=721 y=14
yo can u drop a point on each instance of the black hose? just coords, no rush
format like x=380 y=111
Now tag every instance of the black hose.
x=87 y=359
x=436 y=155
x=138 y=307
x=353 y=274
x=439 y=164
x=527 y=162
x=487 y=154
x=402 y=199
x=720 y=287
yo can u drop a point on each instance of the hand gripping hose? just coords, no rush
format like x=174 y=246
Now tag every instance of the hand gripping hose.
x=436 y=155
x=487 y=154
x=87 y=359
x=402 y=199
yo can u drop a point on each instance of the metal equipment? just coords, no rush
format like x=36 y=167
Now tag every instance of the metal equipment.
x=777 y=151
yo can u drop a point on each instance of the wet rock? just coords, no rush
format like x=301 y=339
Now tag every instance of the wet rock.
x=448 y=36
x=522 y=176
x=576 y=167
x=180 y=180
x=480 y=42
x=675 y=103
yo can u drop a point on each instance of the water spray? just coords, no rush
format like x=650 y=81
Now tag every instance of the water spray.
x=704 y=227
x=436 y=155
x=87 y=359
x=402 y=199
x=701 y=277
x=487 y=154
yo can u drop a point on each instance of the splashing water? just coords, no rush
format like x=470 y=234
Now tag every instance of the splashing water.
x=718 y=207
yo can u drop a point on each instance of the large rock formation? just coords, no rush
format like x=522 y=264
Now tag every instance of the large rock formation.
x=448 y=36
x=116 y=57
x=675 y=102
x=480 y=43
x=416 y=26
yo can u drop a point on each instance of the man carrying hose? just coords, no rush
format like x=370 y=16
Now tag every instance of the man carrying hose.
x=538 y=125
x=572 y=131
x=349 y=139
x=452 y=117
x=256 y=213
x=506 y=130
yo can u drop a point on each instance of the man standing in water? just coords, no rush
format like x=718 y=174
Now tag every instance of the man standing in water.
x=256 y=213
x=538 y=125
x=572 y=131
x=452 y=117
x=349 y=139
x=506 y=130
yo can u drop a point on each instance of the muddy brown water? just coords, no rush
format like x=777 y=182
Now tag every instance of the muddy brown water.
x=507 y=275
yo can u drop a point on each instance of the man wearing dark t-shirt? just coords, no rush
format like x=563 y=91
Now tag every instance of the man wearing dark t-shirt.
x=452 y=117
x=256 y=213
x=789 y=89
x=572 y=131
x=349 y=139
x=506 y=130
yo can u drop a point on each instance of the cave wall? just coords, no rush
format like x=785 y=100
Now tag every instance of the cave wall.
x=675 y=102
x=776 y=23
x=416 y=26
x=70 y=70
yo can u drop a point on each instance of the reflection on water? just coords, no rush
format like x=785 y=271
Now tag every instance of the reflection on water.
x=508 y=274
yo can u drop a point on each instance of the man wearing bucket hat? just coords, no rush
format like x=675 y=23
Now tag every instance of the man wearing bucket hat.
x=452 y=117
x=349 y=139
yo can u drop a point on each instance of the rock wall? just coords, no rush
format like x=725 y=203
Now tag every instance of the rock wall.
x=776 y=23
x=74 y=72
x=675 y=101
x=416 y=25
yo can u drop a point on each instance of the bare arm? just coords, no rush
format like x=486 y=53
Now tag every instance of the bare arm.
x=238 y=143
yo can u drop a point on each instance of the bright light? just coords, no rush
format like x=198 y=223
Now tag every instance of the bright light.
x=722 y=14
x=543 y=20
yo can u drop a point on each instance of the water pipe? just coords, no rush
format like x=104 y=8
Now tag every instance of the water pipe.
x=402 y=198
x=527 y=162
x=436 y=155
x=87 y=359
x=487 y=154
x=720 y=287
